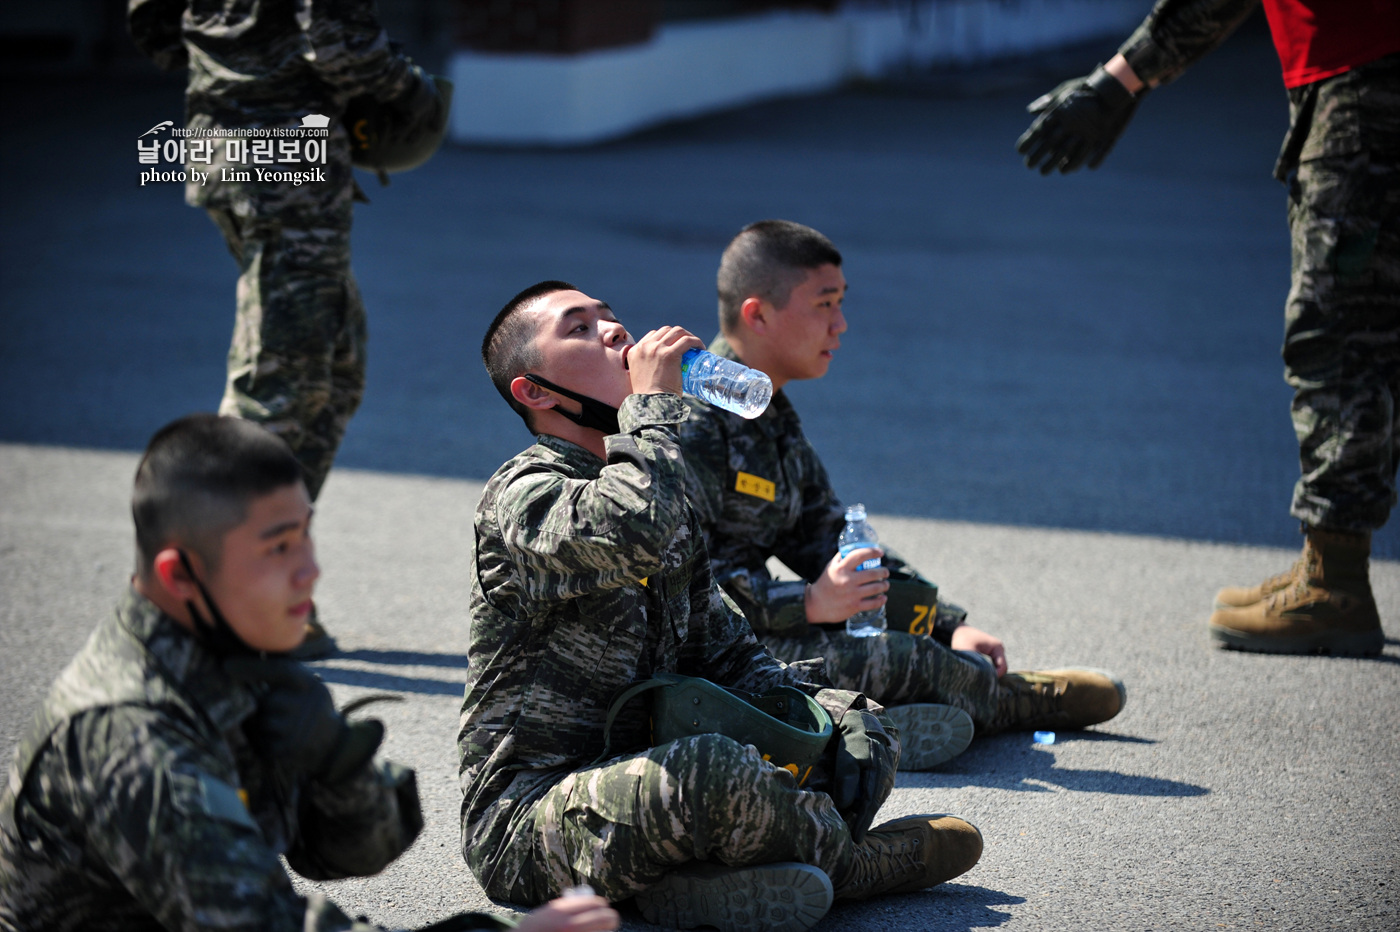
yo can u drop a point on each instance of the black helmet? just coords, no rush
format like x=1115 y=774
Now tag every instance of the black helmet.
x=396 y=136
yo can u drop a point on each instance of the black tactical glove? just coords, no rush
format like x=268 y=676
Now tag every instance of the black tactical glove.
x=1079 y=120
x=297 y=726
x=864 y=773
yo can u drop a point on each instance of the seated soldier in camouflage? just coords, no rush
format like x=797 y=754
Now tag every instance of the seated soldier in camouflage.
x=590 y=574
x=760 y=491
x=179 y=754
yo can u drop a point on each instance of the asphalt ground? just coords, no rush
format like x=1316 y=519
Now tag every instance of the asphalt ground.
x=1060 y=397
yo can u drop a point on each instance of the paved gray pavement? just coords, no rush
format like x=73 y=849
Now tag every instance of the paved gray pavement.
x=1062 y=397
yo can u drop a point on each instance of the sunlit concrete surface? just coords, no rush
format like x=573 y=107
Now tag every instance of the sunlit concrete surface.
x=1235 y=790
x=1060 y=397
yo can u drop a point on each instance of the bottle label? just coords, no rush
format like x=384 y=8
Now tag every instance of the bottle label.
x=689 y=357
x=758 y=487
x=872 y=564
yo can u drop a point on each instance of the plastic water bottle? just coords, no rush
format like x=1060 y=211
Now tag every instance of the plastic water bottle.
x=856 y=535
x=725 y=383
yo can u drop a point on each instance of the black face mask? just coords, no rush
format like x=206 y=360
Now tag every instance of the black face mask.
x=594 y=416
x=216 y=635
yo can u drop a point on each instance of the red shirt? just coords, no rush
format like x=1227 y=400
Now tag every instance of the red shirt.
x=1319 y=38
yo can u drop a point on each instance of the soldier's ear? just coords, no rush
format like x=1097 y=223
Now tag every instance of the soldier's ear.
x=754 y=313
x=169 y=570
x=531 y=395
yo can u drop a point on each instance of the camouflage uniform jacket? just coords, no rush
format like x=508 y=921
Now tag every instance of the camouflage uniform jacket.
x=1178 y=33
x=588 y=576
x=136 y=803
x=760 y=491
x=270 y=63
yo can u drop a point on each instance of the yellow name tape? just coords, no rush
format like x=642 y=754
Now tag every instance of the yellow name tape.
x=753 y=485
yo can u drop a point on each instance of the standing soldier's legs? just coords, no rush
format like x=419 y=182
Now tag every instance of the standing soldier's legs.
x=1341 y=353
x=297 y=360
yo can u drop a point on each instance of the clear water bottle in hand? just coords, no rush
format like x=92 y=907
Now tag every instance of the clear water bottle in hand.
x=858 y=534
x=725 y=383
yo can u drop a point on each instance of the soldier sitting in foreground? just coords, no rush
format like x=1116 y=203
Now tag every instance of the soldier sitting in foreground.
x=760 y=491
x=590 y=574
x=178 y=754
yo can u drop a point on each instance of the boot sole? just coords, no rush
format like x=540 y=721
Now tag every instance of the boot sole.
x=782 y=897
x=930 y=734
x=1360 y=644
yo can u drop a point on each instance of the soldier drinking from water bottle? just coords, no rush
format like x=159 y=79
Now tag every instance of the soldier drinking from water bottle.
x=590 y=576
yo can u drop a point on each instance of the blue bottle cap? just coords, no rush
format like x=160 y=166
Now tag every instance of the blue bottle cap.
x=1044 y=737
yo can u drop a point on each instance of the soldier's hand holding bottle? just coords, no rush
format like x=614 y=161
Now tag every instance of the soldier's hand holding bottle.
x=654 y=361
x=843 y=589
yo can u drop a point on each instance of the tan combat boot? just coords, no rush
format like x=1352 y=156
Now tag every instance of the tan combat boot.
x=1328 y=608
x=1245 y=596
x=1066 y=699
x=910 y=854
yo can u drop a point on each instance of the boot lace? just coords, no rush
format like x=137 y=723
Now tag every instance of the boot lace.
x=885 y=863
x=1024 y=698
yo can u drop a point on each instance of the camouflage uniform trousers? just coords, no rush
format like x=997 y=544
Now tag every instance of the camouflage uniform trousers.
x=297 y=361
x=897 y=668
x=621 y=825
x=1342 y=335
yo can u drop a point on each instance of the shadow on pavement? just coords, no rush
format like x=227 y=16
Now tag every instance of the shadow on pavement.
x=959 y=906
x=406 y=658
x=1008 y=764
x=396 y=682
x=1065 y=737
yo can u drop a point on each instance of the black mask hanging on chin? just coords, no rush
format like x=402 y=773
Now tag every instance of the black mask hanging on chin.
x=595 y=414
x=216 y=635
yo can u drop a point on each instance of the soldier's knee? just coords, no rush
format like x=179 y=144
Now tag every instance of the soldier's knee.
x=706 y=750
x=714 y=761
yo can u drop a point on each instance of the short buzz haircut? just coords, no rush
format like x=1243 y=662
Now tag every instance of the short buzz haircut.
x=767 y=260
x=509 y=349
x=196 y=481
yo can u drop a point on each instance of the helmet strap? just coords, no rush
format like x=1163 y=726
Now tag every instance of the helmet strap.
x=595 y=414
x=215 y=633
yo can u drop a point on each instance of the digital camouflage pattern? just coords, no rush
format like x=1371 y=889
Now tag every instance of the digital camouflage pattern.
x=760 y=491
x=589 y=577
x=1341 y=162
x=898 y=668
x=1178 y=33
x=620 y=825
x=1341 y=346
x=297 y=360
x=135 y=801
x=296 y=364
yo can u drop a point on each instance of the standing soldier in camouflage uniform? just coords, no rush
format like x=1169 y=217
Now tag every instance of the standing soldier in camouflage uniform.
x=297 y=361
x=590 y=573
x=1341 y=348
x=760 y=491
